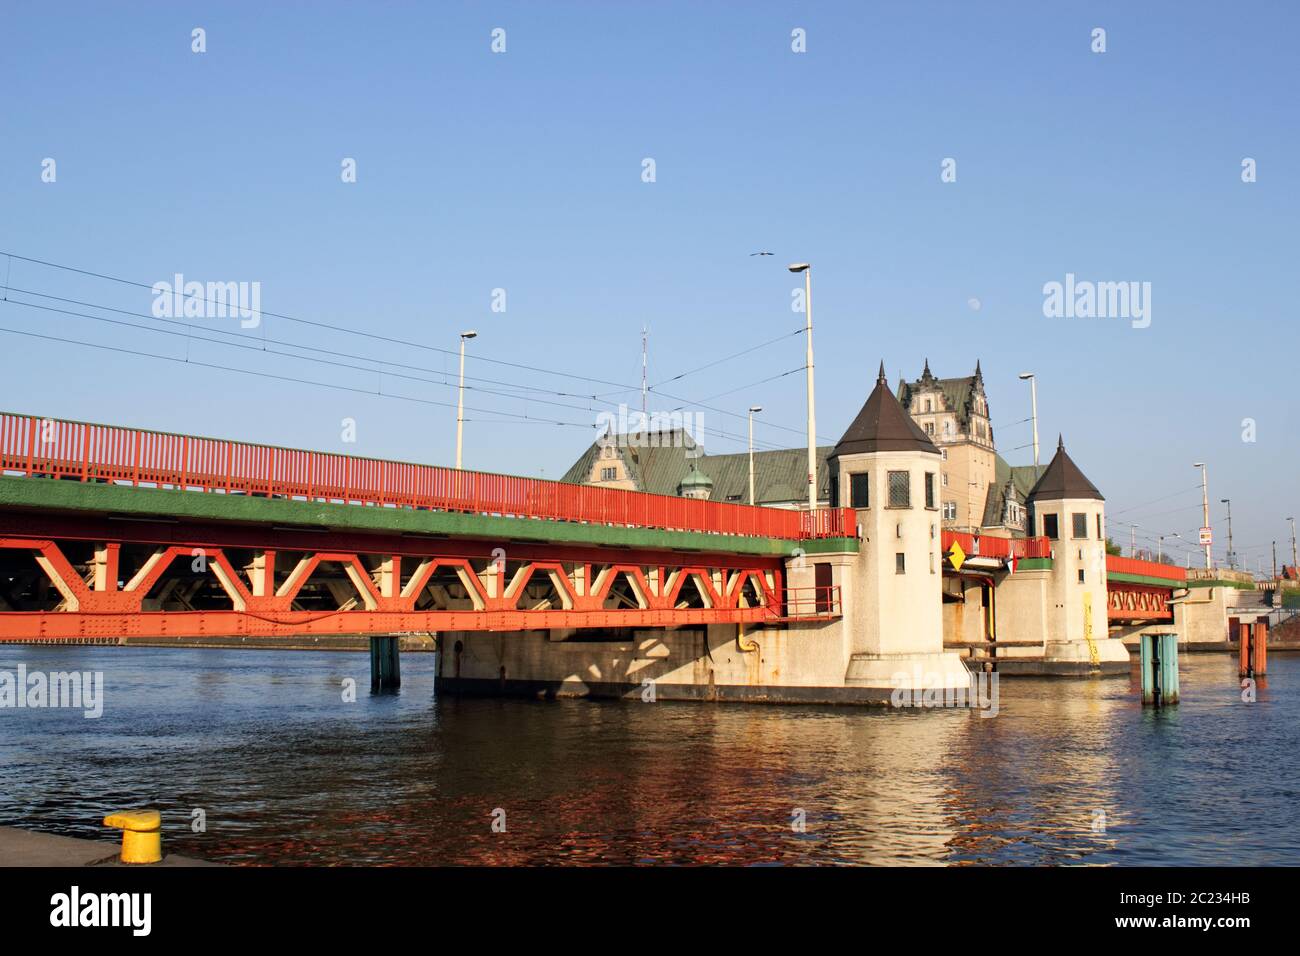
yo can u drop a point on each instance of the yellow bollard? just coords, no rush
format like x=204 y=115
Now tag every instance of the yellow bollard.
x=141 y=834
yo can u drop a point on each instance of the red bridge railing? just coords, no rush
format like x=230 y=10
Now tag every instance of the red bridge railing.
x=1152 y=569
x=89 y=452
x=820 y=603
x=991 y=546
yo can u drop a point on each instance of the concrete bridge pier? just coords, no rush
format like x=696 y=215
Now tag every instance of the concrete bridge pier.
x=860 y=621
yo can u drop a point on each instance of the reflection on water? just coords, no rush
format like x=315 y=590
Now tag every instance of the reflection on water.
x=262 y=741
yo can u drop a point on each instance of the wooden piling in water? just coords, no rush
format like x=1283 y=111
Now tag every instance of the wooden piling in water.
x=1159 y=660
x=385 y=663
x=1252 y=649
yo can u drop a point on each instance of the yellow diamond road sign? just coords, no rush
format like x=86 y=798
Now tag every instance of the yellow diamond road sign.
x=956 y=556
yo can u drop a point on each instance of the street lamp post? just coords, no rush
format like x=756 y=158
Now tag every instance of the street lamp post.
x=1033 y=411
x=460 y=396
x=1205 y=508
x=1294 y=568
x=806 y=269
x=752 y=410
x=1232 y=558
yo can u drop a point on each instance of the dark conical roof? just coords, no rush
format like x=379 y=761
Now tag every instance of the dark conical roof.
x=1063 y=479
x=883 y=425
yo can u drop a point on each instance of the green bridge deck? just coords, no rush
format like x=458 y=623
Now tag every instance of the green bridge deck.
x=47 y=494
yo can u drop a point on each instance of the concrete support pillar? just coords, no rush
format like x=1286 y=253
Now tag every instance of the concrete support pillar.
x=105 y=566
x=385 y=664
x=261 y=575
x=388 y=576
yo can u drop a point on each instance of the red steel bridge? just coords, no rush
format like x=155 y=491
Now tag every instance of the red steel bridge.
x=109 y=532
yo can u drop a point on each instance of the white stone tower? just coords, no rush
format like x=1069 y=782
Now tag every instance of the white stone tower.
x=1067 y=508
x=887 y=469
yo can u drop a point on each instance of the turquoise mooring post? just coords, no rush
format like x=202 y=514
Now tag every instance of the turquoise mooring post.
x=385 y=664
x=1159 y=669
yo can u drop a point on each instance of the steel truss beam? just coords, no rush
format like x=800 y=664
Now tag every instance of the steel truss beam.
x=496 y=579
x=1136 y=602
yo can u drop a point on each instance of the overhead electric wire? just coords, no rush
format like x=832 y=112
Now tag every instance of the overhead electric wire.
x=189 y=336
x=289 y=378
x=263 y=339
x=753 y=348
x=761 y=381
x=314 y=322
x=1196 y=487
x=396 y=341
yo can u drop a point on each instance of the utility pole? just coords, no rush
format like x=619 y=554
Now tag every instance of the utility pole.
x=1205 y=509
x=1232 y=558
x=1295 y=569
x=1132 y=536
x=752 y=410
x=806 y=269
x=1275 y=564
x=460 y=395
x=645 y=334
x=1033 y=413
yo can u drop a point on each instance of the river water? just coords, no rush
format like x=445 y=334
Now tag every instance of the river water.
x=282 y=769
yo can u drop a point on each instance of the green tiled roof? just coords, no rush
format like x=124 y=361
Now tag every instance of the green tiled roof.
x=695 y=478
x=780 y=476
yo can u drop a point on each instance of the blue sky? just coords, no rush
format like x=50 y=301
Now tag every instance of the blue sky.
x=522 y=171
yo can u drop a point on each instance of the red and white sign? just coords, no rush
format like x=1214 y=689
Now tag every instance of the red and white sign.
x=1207 y=536
x=1011 y=564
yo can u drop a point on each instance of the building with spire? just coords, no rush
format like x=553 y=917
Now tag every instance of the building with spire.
x=979 y=490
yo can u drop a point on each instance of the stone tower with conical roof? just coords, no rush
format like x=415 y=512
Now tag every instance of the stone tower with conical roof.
x=886 y=468
x=1068 y=509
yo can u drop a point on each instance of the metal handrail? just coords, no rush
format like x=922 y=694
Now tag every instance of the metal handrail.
x=89 y=452
x=994 y=546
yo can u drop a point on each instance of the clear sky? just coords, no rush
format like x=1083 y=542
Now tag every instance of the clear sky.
x=523 y=171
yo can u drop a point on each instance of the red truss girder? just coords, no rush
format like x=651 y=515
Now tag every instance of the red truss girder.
x=262 y=606
x=1136 y=602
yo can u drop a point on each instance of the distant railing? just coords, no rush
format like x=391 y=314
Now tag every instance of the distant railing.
x=89 y=452
x=1220 y=574
x=991 y=546
x=1151 y=569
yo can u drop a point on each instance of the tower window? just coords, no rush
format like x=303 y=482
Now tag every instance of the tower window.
x=1049 y=527
x=858 y=490
x=900 y=563
x=929 y=489
x=900 y=489
x=1080 y=525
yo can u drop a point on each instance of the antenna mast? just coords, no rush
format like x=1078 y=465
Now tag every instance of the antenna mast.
x=645 y=332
